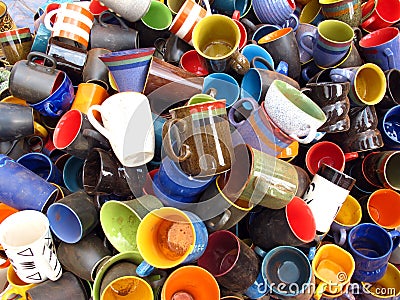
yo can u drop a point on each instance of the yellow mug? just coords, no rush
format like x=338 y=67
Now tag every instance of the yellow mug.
x=16 y=285
x=386 y=287
x=311 y=13
x=333 y=268
x=127 y=287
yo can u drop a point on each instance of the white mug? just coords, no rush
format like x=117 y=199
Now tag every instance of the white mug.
x=326 y=194
x=131 y=10
x=27 y=241
x=128 y=125
x=293 y=112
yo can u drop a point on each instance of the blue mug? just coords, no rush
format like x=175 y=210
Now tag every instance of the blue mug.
x=22 y=189
x=225 y=85
x=59 y=101
x=371 y=246
x=285 y=272
x=277 y=12
x=41 y=165
x=227 y=7
x=389 y=126
x=72 y=174
x=251 y=51
x=41 y=39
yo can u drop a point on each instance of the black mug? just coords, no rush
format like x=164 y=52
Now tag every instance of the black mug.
x=16 y=121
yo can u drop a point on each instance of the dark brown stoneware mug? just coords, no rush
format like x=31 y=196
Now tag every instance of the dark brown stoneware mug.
x=206 y=144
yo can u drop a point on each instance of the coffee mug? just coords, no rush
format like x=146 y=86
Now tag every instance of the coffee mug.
x=389 y=128
x=326 y=194
x=226 y=87
x=73 y=217
x=333 y=268
x=17 y=121
x=301 y=118
x=6 y=21
x=191 y=281
x=121 y=114
x=348 y=11
x=94 y=70
x=221 y=48
x=128 y=286
x=252 y=50
x=16 y=44
x=15 y=285
x=330 y=44
x=379 y=14
x=71 y=25
x=158 y=16
x=41 y=39
x=311 y=13
x=167 y=237
x=371 y=245
x=27 y=241
x=368 y=83
x=275 y=12
x=255 y=128
x=347 y=217
x=233 y=263
x=72 y=173
x=303 y=28
x=256 y=32
x=204 y=137
x=33 y=184
x=261 y=179
x=189 y=14
x=89 y=94
x=171 y=49
x=292 y=225
x=194 y=63
x=122 y=233
x=327 y=153
x=381 y=47
x=392 y=95
x=132 y=15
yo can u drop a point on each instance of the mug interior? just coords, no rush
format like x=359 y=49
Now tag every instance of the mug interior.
x=350 y=212
x=300 y=220
x=65 y=223
x=370 y=84
x=391 y=173
x=379 y=37
x=382 y=207
x=67 y=129
x=335 y=31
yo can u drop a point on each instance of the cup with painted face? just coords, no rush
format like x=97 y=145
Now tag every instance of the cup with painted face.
x=326 y=194
x=103 y=174
x=331 y=42
x=70 y=284
x=379 y=208
x=120 y=228
x=371 y=246
x=282 y=46
x=255 y=128
x=220 y=48
x=380 y=169
x=226 y=87
x=311 y=13
x=167 y=237
x=204 y=137
x=233 y=263
x=379 y=14
x=190 y=281
x=382 y=48
x=16 y=44
x=302 y=116
x=10 y=191
x=332 y=99
x=329 y=153
x=73 y=217
x=347 y=217
x=368 y=83
x=333 y=268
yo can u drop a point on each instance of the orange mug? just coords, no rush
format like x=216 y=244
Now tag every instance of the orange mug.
x=89 y=94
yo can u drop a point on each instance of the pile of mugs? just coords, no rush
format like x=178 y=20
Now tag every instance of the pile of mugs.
x=187 y=150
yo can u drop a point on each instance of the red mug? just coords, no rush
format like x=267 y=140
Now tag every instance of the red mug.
x=327 y=153
x=194 y=63
x=383 y=13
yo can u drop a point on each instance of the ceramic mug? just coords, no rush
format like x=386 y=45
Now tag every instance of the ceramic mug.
x=128 y=286
x=380 y=14
x=17 y=121
x=94 y=70
x=89 y=94
x=138 y=8
x=117 y=113
x=226 y=87
x=31 y=252
x=293 y=112
x=348 y=11
x=311 y=13
x=392 y=95
x=16 y=44
x=6 y=22
x=389 y=128
x=16 y=285
x=275 y=11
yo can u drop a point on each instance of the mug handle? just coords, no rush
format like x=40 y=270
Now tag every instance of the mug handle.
x=350 y=156
x=144 y=269
x=239 y=57
x=236 y=15
x=222 y=221
x=34 y=54
x=390 y=57
x=107 y=12
x=47 y=18
x=249 y=24
x=96 y=123
x=263 y=61
x=320 y=290
x=45 y=266
x=282 y=68
x=235 y=106
x=289 y=21
x=308 y=139
x=304 y=46
x=340 y=236
x=168 y=143
x=341 y=75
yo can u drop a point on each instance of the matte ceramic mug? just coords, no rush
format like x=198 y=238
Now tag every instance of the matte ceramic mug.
x=138 y=8
x=121 y=114
x=293 y=112
x=94 y=70
x=28 y=243
x=326 y=194
x=221 y=48
x=204 y=135
x=330 y=44
x=17 y=121
x=368 y=83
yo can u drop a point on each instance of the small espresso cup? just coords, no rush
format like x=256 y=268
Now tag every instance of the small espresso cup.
x=330 y=44
x=371 y=246
x=16 y=44
x=167 y=237
x=368 y=83
x=204 y=136
x=221 y=48
x=303 y=117
x=27 y=241
x=326 y=194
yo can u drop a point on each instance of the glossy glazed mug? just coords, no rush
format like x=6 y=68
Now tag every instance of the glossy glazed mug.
x=16 y=44
x=348 y=11
x=311 y=13
x=274 y=11
x=133 y=287
x=89 y=94
x=6 y=21
x=389 y=128
x=380 y=14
